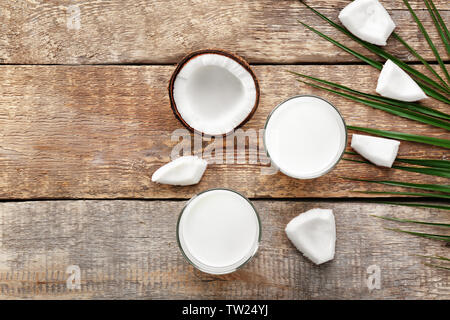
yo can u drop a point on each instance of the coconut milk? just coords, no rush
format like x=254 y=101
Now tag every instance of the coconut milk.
x=305 y=137
x=218 y=231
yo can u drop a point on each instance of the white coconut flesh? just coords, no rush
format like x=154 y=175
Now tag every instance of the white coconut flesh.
x=379 y=151
x=313 y=233
x=184 y=171
x=368 y=20
x=395 y=83
x=214 y=93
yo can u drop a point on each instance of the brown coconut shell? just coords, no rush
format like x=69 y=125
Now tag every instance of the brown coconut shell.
x=197 y=53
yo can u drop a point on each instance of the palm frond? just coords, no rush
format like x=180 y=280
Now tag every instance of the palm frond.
x=429 y=91
x=438 y=90
x=441 y=23
x=433 y=163
x=440 y=258
x=360 y=56
x=380 y=52
x=436 y=266
x=390 y=109
x=429 y=187
x=427 y=37
x=445 y=143
x=424 y=235
x=410 y=106
x=421 y=59
x=420 y=205
x=433 y=257
x=443 y=164
x=445 y=225
x=433 y=15
x=429 y=171
x=415 y=194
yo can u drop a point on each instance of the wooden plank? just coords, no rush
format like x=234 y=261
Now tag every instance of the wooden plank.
x=128 y=249
x=155 y=32
x=101 y=131
x=388 y=4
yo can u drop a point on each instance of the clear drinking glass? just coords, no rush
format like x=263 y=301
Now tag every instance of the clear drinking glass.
x=332 y=165
x=214 y=269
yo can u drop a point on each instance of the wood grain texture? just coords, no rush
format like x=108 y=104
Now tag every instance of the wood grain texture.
x=155 y=32
x=128 y=249
x=101 y=132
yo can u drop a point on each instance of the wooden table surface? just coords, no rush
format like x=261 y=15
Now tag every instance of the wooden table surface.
x=85 y=120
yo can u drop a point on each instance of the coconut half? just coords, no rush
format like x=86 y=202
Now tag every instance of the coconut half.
x=314 y=234
x=395 y=83
x=368 y=20
x=184 y=171
x=213 y=92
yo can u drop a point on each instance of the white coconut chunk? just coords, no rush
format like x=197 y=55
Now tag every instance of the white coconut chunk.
x=395 y=83
x=379 y=151
x=313 y=233
x=184 y=171
x=368 y=20
x=214 y=94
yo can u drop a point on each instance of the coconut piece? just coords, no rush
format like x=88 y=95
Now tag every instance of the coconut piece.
x=368 y=20
x=395 y=83
x=379 y=151
x=313 y=233
x=213 y=92
x=184 y=171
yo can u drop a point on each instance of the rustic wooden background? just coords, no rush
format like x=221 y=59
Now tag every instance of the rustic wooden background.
x=85 y=120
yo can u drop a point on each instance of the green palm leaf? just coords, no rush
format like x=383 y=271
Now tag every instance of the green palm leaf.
x=420 y=205
x=430 y=92
x=442 y=24
x=391 y=109
x=436 y=266
x=413 y=111
x=434 y=257
x=430 y=171
x=418 y=56
x=360 y=56
x=439 y=172
x=443 y=164
x=438 y=27
x=410 y=106
x=424 y=235
x=446 y=225
x=380 y=52
x=445 y=143
x=429 y=187
x=415 y=194
x=427 y=37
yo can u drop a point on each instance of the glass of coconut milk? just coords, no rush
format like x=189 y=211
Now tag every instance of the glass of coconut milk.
x=305 y=136
x=218 y=231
